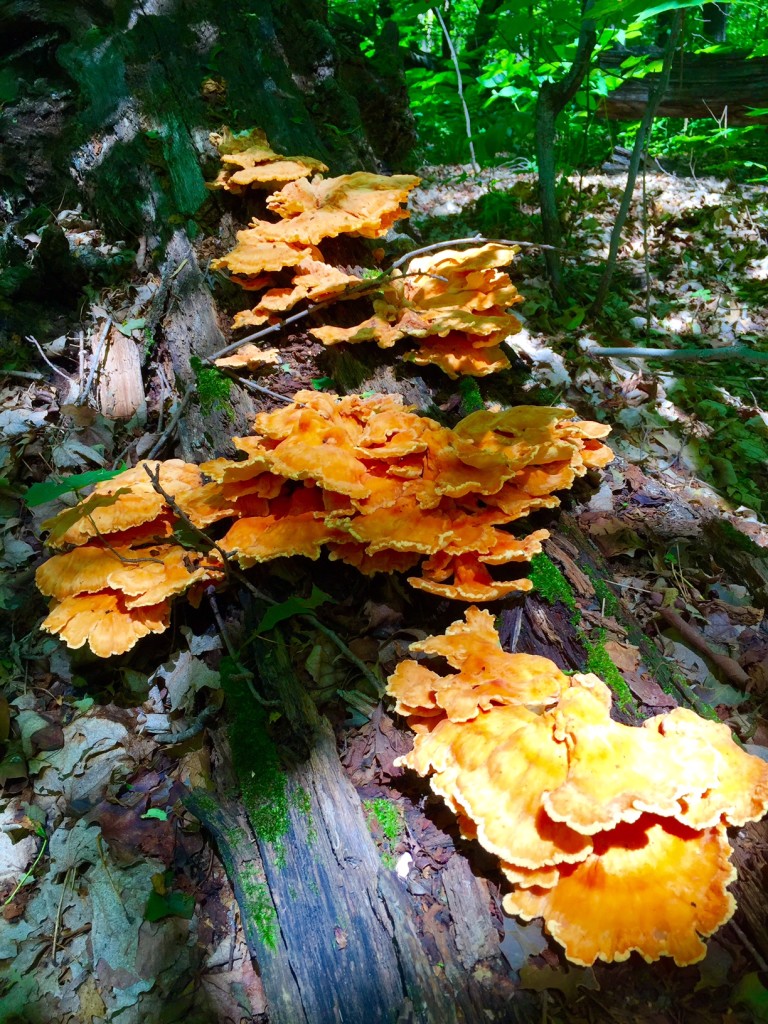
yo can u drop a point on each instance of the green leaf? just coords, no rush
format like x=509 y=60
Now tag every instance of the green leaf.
x=293 y=606
x=130 y=326
x=750 y=992
x=172 y=904
x=48 y=490
x=66 y=519
x=322 y=383
x=636 y=10
x=155 y=812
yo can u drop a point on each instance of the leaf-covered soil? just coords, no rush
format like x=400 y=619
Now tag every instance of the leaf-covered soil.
x=115 y=905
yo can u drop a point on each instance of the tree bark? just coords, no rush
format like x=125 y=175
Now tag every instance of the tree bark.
x=553 y=96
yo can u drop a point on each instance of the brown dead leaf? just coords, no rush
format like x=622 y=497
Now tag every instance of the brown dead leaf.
x=626 y=657
x=613 y=537
x=91 y=1003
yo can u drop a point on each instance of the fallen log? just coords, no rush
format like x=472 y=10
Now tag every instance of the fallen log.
x=707 y=85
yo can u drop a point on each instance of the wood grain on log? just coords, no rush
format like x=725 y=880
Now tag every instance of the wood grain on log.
x=703 y=85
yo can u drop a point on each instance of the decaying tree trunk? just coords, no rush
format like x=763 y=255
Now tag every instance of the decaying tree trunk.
x=723 y=86
x=332 y=930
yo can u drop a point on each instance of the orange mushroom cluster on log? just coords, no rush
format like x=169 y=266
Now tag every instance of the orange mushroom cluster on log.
x=375 y=484
x=360 y=204
x=116 y=583
x=615 y=835
x=250 y=162
x=454 y=303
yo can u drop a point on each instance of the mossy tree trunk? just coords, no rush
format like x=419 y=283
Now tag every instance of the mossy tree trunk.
x=109 y=105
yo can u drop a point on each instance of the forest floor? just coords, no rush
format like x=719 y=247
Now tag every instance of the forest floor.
x=115 y=907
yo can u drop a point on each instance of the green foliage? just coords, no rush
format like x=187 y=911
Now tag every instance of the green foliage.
x=214 y=389
x=260 y=906
x=386 y=818
x=506 y=55
x=263 y=783
x=599 y=661
x=168 y=903
x=550 y=582
x=733 y=456
x=293 y=606
x=48 y=490
x=471 y=399
x=608 y=600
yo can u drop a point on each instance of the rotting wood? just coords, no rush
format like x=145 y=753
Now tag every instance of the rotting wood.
x=121 y=389
x=345 y=944
x=708 y=85
x=189 y=327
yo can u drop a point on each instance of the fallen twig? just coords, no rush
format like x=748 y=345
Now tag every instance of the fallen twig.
x=731 y=669
x=683 y=354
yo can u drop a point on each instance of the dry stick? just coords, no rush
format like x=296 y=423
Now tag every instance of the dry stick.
x=82 y=397
x=171 y=502
x=684 y=354
x=762 y=965
x=655 y=97
x=460 y=86
x=36 y=343
x=159 y=444
x=251 y=385
x=196 y=726
x=473 y=240
x=731 y=669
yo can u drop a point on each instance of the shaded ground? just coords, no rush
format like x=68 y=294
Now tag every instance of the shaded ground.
x=124 y=911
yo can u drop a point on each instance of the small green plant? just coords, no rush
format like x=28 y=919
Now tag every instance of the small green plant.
x=599 y=661
x=471 y=399
x=214 y=390
x=608 y=601
x=550 y=582
x=385 y=817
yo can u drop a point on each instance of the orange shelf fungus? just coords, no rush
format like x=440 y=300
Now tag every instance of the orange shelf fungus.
x=312 y=280
x=104 y=623
x=455 y=304
x=360 y=204
x=652 y=887
x=250 y=162
x=613 y=834
x=366 y=479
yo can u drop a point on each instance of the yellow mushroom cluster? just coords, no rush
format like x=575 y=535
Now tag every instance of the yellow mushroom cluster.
x=359 y=204
x=368 y=480
x=456 y=304
x=614 y=835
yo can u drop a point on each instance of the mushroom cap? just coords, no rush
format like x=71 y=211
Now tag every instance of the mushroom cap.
x=104 y=622
x=258 y=249
x=313 y=279
x=459 y=357
x=144 y=576
x=263 y=538
x=250 y=356
x=497 y=766
x=472 y=581
x=618 y=772
x=652 y=886
x=741 y=792
x=136 y=502
x=359 y=204
x=249 y=159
